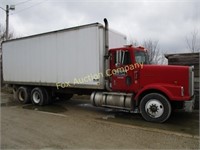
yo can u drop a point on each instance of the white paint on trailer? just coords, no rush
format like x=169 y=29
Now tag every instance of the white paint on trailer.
x=60 y=56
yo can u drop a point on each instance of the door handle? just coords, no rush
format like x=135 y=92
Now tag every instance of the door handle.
x=128 y=80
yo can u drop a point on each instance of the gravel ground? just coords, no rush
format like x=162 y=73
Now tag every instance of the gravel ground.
x=75 y=124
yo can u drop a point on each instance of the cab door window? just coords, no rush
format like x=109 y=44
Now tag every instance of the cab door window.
x=122 y=58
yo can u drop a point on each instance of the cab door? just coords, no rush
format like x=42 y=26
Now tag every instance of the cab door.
x=121 y=75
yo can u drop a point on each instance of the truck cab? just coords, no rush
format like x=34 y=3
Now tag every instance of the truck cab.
x=152 y=90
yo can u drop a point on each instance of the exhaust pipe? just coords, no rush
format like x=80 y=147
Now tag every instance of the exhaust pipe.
x=106 y=37
x=106 y=56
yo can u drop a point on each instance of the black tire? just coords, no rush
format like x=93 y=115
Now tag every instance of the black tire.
x=49 y=96
x=23 y=94
x=155 y=107
x=64 y=96
x=40 y=96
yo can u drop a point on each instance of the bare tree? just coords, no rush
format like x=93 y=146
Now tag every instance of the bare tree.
x=3 y=34
x=152 y=50
x=193 y=42
x=154 y=53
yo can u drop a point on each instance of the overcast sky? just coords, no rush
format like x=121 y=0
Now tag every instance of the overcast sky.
x=168 y=21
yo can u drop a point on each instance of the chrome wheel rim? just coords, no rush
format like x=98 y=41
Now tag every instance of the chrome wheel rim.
x=154 y=108
x=21 y=95
x=36 y=97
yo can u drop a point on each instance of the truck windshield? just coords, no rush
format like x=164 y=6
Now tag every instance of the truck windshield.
x=141 y=57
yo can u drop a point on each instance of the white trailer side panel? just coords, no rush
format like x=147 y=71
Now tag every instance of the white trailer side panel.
x=116 y=39
x=58 y=57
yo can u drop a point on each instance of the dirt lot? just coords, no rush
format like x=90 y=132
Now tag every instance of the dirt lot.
x=75 y=124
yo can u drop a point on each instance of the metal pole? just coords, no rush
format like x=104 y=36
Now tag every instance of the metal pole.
x=7 y=21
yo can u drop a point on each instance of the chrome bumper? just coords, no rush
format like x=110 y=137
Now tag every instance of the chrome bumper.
x=189 y=105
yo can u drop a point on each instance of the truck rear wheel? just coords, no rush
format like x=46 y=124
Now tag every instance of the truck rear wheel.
x=155 y=107
x=40 y=96
x=23 y=94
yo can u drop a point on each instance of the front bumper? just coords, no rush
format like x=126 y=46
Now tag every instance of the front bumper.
x=189 y=105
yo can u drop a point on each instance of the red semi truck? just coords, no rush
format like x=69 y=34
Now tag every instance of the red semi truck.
x=91 y=59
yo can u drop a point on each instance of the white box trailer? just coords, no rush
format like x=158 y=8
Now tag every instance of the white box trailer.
x=73 y=56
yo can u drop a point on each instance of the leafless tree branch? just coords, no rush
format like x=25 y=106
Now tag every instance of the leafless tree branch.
x=193 y=42
x=153 y=51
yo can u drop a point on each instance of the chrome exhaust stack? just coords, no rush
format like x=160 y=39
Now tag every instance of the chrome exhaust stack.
x=106 y=56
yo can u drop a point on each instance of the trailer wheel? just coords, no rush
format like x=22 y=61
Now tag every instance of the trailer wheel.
x=49 y=96
x=40 y=96
x=23 y=94
x=155 y=107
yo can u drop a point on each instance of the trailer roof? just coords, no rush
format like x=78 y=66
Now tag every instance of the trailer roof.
x=55 y=31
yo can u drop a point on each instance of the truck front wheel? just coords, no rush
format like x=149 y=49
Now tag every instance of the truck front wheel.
x=40 y=96
x=155 y=107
